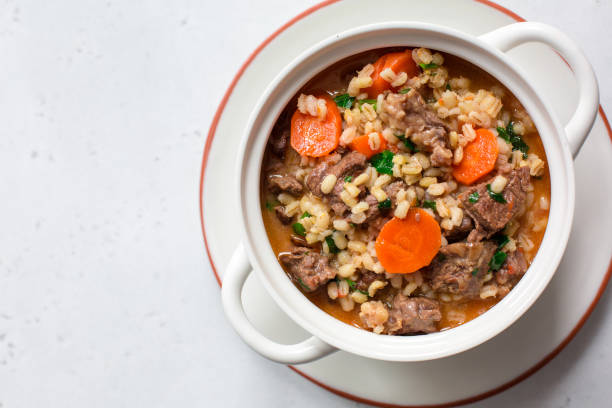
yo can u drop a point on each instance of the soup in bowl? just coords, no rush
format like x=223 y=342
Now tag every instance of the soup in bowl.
x=405 y=191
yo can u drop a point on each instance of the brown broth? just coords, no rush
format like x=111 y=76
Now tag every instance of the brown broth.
x=333 y=81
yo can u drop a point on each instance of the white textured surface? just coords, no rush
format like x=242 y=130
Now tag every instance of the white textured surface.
x=107 y=298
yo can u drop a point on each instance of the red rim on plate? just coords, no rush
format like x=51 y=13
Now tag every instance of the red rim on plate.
x=478 y=397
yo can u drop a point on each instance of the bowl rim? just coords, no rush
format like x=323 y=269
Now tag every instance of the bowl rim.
x=436 y=345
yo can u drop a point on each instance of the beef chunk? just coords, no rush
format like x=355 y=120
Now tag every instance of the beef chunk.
x=459 y=233
x=350 y=164
x=489 y=215
x=410 y=315
x=409 y=113
x=308 y=268
x=282 y=215
x=365 y=279
x=459 y=268
x=287 y=184
x=511 y=272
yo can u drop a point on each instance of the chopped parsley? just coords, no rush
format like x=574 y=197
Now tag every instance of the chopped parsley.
x=475 y=271
x=429 y=204
x=448 y=87
x=305 y=286
x=383 y=162
x=305 y=215
x=501 y=240
x=441 y=257
x=331 y=244
x=385 y=204
x=408 y=143
x=474 y=197
x=515 y=140
x=495 y=196
x=351 y=283
x=299 y=229
x=269 y=206
x=498 y=260
x=344 y=101
x=368 y=101
x=428 y=66
x=404 y=91
x=363 y=291
x=348 y=179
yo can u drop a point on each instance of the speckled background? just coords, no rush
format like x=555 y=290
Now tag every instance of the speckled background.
x=107 y=298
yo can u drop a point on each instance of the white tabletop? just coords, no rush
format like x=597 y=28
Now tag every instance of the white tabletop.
x=107 y=298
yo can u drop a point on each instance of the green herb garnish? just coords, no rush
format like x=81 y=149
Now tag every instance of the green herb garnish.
x=269 y=206
x=344 y=101
x=429 y=204
x=348 y=179
x=498 y=260
x=363 y=291
x=428 y=66
x=448 y=87
x=501 y=240
x=305 y=286
x=368 y=101
x=305 y=215
x=475 y=271
x=385 y=204
x=351 y=283
x=299 y=229
x=404 y=91
x=474 y=197
x=441 y=257
x=515 y=140
x=496 y=196
x=383 y=162
x=408 y=143
x=331 y=244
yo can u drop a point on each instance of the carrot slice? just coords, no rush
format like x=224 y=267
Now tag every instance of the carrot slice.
x=398 y=62
x=479 y=157
x=314 y=137
x=362 y=145
x=406 y=245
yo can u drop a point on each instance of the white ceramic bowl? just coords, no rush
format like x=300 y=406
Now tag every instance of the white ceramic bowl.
x=560 y=142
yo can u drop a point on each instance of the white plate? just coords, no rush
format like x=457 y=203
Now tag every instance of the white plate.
x=511 y=356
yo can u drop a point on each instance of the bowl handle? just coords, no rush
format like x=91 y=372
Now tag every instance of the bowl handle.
x=236 y=273
x=510 y=36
